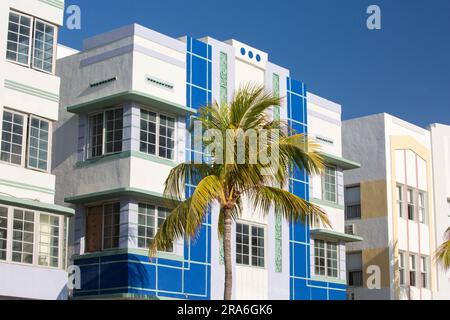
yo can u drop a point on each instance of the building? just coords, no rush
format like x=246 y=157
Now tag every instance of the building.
x=398 y=202
x=32 y=227
x=126 y=100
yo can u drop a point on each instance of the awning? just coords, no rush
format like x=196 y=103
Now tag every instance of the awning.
x=334 y=235
x=340 y=162
x=130 y=95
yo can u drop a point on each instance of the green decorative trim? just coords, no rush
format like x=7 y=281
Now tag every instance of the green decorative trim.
x=125 y=154
x=55 y=3
x=36 y=205
x=31 y=90
x=328 y=279
x=113 y=193
x=278 y=242
x=223 y=78
x=276 y=94
x=321 y=202
x=340 y=162
x=142 y=252
x=130 y=95
x=20 y=185
x=330 y=234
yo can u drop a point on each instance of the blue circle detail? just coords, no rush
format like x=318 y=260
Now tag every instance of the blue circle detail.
x=243 y=51
x=258 y=58
x=250 y=55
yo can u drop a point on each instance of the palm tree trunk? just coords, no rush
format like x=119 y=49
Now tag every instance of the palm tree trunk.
x=227 y=255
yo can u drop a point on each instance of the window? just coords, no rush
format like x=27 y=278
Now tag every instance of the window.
x=410 y=204
x=12 y=137
x=150 y=220
x=48 y=240
x=44 y=35
x=23 y=236
x=21 y=37
x=3 y=232
x=111 y=225
x=422 y=207
x=412 y=270
x=353 y=202
x=400 y=201
x=401 y=267
x=250 y=245
x=14 y=131
x=164 y=141
x=329 y=184
x=355 y=278
x=105 y=133
x=325 y=258
x=424 y=271
x=38 y=144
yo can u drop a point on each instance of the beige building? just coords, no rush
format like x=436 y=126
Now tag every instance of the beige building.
x=389 y=202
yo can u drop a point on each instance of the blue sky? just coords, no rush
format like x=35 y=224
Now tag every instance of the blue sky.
x=403 y=69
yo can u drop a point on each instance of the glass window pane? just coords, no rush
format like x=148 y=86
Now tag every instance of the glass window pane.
x=19 y=28
x=43 y=46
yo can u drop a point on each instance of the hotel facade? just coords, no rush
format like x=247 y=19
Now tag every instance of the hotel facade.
x=126 y=100
x=32 y=228
x=398 y=202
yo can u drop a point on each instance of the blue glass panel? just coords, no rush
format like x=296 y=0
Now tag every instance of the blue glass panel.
x=199 y=71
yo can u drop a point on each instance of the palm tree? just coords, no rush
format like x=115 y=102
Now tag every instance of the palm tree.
x=443 y=252
x=227 y=185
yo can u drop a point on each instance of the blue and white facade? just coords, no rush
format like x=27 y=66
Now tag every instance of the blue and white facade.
x=126 y=100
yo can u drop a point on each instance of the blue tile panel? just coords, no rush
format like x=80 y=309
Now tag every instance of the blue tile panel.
x=301 y=285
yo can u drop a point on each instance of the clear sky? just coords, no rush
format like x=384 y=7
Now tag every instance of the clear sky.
x=402 y=69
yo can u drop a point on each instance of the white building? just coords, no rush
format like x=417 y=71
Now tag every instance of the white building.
x=125 y=101
x=391 y=201
x=32 y=227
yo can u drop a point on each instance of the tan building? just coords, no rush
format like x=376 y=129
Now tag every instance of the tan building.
x=389 y=202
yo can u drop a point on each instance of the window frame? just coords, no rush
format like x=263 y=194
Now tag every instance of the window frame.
x=156 y=226
x=49 y=143
x=424 y=271
x=326 y=267
x=31 y=44
x=400 y=201
x=401 y=268
x=23 y=162
x=36 y=238
x=412 y=263
x=157 y=134
x=111 y=226
x=411 y=203
x=324 y=184
x=352 y=204
x=252 y=225
x=89 y=132
x=30 y=39
x=422 y=206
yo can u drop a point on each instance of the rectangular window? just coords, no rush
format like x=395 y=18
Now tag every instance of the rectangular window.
x=400 y=201
x=31 y=42
x=150 y=220
x=401 y=267
x=353 y=202
x=410 y=204
x=19 y=38
x=329 y=184
x=422 y=207
x=23 y=236
x=355 y=278
x=12 y=137
x=48 y=240
x=44 y=40
x=424 y=272
x=157 y=133
x=38 y=144
x=3 y=232
x=412 y=271
x=250 y=245
x=105 y=133
x=111 y=225
x=325 y=258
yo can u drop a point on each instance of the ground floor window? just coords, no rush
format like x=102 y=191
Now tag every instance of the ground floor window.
x=250 y=245
x=31 y=237
x=325 y=258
